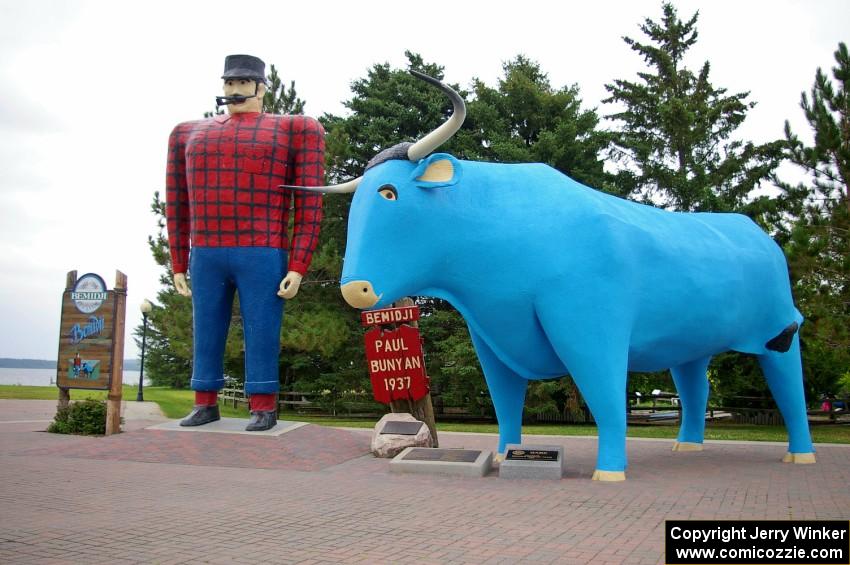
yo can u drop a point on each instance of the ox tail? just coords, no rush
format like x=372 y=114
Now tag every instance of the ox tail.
x=782 y=342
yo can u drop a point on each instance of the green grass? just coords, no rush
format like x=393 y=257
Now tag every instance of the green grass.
x=178 y=403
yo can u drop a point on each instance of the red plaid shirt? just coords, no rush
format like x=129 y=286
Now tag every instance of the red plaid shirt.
x=222 y=185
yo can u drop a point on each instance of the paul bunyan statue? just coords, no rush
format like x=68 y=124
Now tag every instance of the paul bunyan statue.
x=228 y=228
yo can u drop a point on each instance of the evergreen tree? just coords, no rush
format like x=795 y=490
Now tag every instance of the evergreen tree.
x=818 y=247
x=675 y=142
x=168 y=354
x=388 y=106
x=676 y=150
x=524 y=119
x=280 y=100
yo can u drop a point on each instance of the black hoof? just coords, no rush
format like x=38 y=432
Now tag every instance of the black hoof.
x=201 y=415
x=261 y=420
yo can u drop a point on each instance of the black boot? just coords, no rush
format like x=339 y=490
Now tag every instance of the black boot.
x=201 y=415
x=261 y=420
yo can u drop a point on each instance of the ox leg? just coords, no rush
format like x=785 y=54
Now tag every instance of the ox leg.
x=596 y=357
x=692 y=385
x=602 y=382
x=784 y=374
x=507 y=389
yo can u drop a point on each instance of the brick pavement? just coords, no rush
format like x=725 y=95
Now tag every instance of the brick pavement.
x=131 y=499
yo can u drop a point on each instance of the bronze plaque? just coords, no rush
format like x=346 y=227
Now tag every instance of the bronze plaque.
x=532 y=455
x=402 y=428
x=442 y=455
x=86 y=336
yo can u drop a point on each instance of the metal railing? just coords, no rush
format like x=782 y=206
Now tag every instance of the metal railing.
x=761 y=411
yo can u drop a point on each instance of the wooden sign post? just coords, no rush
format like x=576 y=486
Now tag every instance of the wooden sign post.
x=91 y=341
x=396 y=363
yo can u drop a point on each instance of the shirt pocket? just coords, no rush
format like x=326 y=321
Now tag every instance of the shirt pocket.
x=253 y=158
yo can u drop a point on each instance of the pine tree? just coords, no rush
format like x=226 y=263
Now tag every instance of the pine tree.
x=387 y=106
x=524 y=119
x=675 y=142
x=676 y=149
x=818 y=247
x=168 y=354
x=280 y=100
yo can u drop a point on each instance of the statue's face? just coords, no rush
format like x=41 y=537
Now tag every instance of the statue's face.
x=244 y=87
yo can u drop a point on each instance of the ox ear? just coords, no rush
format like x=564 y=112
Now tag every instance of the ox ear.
x=436 y=171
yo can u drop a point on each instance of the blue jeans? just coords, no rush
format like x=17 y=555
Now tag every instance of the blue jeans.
x=255 y=272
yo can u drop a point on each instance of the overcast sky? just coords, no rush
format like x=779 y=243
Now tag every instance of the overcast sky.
x=91 y=91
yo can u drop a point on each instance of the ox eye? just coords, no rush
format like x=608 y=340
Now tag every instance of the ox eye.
x=388 y=192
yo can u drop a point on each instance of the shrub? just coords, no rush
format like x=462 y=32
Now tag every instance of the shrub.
x=84 y=417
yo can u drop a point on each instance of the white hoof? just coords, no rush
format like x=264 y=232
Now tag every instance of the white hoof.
x=687 y=446
x=799 y=458
x=609 y=476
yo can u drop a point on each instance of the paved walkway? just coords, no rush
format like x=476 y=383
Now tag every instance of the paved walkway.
x=315 y=495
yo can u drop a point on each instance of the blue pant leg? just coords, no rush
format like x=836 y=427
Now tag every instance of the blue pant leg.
x=212 y=301
x=258 y=272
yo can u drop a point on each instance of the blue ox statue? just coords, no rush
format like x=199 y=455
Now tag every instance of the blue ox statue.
x=554 y=277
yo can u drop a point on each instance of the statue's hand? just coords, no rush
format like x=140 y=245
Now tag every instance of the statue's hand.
x=289 y=285
x=182 y=285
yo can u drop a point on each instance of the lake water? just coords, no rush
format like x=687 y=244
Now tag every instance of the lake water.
x=47 y=377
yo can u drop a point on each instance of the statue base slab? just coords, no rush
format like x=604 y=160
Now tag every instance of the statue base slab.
x=229 y=426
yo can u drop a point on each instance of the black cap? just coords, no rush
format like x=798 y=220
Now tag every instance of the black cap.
x=244 y=66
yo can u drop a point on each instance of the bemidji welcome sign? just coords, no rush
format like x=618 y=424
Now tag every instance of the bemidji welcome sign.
x=91 y=347
x=91 y=340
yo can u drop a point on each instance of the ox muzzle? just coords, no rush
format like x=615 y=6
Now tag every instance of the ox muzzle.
x=359 y=294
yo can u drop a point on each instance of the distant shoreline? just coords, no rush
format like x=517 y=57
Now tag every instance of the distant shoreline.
x=11 y=363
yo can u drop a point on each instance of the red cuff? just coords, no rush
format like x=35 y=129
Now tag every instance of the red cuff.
x=179 y=264
x=264 y=402
x=206 y=398
x=299 y=267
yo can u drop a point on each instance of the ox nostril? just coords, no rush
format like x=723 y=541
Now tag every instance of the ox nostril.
x=359 y=294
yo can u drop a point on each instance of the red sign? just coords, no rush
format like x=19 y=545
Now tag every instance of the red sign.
x=386 y=316
x=396 y=364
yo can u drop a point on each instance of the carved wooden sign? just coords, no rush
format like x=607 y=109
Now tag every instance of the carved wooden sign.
x=395 y=359
x=88 y=334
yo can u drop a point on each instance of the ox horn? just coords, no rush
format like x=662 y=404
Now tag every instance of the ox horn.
x=440 y=135
x=348 y=186
x=419 y=149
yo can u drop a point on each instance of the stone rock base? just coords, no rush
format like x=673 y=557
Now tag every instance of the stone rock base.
x=390 y=445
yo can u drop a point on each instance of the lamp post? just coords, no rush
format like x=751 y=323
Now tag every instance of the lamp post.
x=145 y=307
